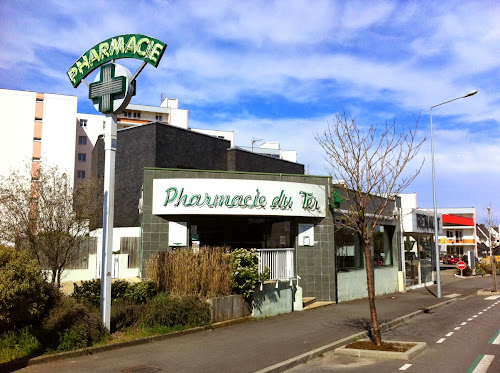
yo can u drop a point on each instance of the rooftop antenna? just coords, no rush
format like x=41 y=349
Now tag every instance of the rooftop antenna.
x=162 y=97
x=254 y=140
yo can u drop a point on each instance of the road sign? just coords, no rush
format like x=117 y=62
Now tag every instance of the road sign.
x=461 y=265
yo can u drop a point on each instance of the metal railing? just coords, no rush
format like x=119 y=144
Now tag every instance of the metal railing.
x=279 y=261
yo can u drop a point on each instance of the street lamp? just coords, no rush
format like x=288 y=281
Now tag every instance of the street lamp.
x=438 y=272
x=492 y=259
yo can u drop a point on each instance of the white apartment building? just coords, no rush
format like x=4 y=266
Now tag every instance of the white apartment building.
x=36 y=129
x=42 y=128
x=459 y=230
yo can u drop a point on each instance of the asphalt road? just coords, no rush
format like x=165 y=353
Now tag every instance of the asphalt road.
x=255 y=345
x=458 y=336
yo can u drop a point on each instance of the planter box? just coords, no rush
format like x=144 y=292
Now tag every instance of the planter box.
x=228 y=308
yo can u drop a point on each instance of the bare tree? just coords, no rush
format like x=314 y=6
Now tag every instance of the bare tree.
x=369 y=167
x=44 y=213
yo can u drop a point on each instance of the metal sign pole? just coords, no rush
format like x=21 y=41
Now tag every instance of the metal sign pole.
x=108 y=216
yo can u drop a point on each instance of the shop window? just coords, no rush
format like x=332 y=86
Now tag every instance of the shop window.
x=348 y=248
x=382 y=245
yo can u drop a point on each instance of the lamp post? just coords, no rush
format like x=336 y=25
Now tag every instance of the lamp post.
x=438 y=272
x=492 y=259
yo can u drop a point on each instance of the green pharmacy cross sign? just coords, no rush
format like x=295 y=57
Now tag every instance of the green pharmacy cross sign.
x=107 y=88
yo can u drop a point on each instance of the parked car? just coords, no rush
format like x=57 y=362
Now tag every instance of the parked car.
x=451 y=259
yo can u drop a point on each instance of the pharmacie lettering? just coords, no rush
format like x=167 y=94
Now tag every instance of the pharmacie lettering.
x=282 y=202
x=137 y=46
x=176 y=198
x=309 y=202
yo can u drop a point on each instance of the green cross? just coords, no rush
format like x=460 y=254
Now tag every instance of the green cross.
x=107 y=88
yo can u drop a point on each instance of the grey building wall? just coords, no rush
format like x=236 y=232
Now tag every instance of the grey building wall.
x=165 y=146
x=314 y=264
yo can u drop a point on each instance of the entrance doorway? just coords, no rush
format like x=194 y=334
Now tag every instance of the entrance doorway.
x=243 y=232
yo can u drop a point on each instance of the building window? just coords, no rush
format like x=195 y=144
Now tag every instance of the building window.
x=382 y=245
x=137 y=115
x=348 y=247
x=127 y=114
x=82 y=157
x=80 y=174
x=83 y=122
x=82 y=140
x=158 y=118
x=39 y=100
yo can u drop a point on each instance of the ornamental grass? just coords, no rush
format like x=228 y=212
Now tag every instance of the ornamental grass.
x=206 y=273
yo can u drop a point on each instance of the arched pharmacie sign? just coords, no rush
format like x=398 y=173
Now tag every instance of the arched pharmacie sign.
x=137 y=46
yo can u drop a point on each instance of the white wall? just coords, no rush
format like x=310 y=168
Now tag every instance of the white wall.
x=226 y=135
x=179 y=118
x=58 y=132
x=17 y=116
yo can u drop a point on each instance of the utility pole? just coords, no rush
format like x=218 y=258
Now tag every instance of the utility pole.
x=492 y=258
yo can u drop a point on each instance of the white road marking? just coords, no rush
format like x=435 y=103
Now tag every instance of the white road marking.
x=484 y=364
x=496 y=341
x=464 y=323
x=454 y=295
x=404 y=367
x=441 y=340
x=458 y=327
x=474 y=316
x=449 y=334
x=492 y=297
x=479 y=313
x=486 y=309
x=469 y=319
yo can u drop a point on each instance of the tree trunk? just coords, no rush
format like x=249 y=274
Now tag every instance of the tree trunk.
x=494 y=272
x=59 y=278
x=370 y=280
x=54 y=276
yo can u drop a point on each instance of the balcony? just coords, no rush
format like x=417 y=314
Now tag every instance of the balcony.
x=458 y=241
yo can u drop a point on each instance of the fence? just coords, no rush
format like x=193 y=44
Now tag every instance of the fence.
x=279 y=261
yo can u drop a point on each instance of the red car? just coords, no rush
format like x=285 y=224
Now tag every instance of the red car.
x=451 y=259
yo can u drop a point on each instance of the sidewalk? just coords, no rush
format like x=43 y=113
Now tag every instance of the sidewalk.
x=258 y=345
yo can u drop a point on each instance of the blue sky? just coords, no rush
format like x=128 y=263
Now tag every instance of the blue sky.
x=280 y=70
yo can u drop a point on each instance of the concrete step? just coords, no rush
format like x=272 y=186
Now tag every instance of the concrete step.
x=308 y=301
x=317 y=304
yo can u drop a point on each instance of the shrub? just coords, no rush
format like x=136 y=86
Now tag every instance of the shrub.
x=245 y=271
x=480 y=270
x=125 y=314
x=15 y=345
x=119 y=290
x=141 y=291
x=70 y=325
x=24 y=292
x=165 y=310
x=89 y=292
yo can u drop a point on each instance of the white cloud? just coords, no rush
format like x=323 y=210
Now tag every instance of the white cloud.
x=380 y=60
